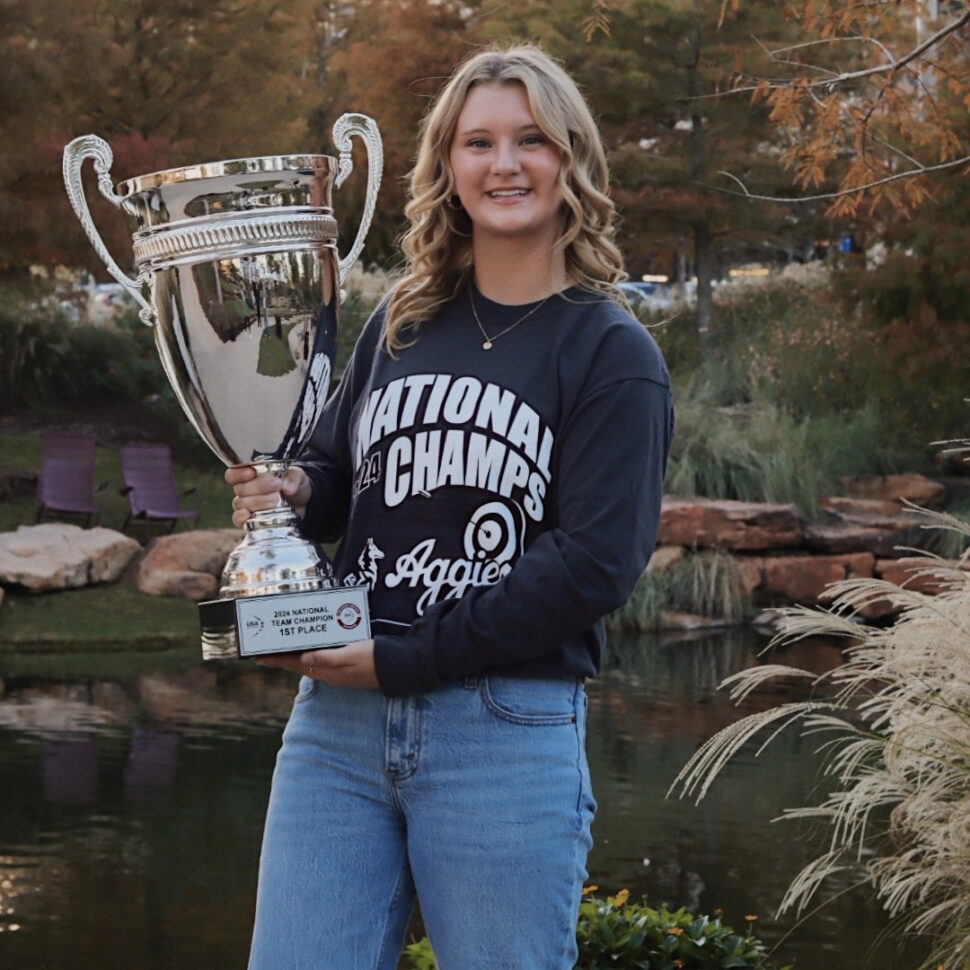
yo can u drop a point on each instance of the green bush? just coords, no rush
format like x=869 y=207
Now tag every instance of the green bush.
x=802 y=386
x=756 y=451
x=616 y=933
x=33 y=346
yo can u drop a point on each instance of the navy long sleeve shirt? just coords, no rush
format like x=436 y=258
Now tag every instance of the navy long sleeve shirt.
x=498 y=503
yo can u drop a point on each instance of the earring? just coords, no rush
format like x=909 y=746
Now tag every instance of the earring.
x=453 y=202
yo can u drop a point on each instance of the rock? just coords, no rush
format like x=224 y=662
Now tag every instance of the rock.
x=689 y=621
x=109 y=552
x=664 y=558
x=804 y=579
x=187 y=564
x=891 y=531
x=768 y=621
x=728 y=524
x=904 y=573
x=751 y=569
x=58 y=555
x=865 y=506
x=842 y=536
x=186 y=584
x=910 y=487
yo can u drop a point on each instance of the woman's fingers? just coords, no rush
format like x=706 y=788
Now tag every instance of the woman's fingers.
x=296 y=489
x=240 y=473
x=256 y=493
x=251 y=492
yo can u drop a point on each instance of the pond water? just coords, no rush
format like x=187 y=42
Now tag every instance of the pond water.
x=131 y=807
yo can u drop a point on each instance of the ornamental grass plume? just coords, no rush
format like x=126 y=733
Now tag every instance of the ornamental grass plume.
x=894 y=720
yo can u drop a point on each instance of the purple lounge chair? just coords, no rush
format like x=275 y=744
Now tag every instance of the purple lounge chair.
x=150 y=486
x=66 y=483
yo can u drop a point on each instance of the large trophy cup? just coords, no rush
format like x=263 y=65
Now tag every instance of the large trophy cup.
x=238 y=273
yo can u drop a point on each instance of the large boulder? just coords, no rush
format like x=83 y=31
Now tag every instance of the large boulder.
x=670 y=620
x=909 y=487
x=912 y=573
x=59 y=555
x=805 y=579
x=188 y=564
x=664 y=558
x=851 y=505
x=751 y=569
x=885 y=536
x=728 y=524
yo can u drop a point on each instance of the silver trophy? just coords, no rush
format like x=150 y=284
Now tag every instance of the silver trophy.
x=238 y=273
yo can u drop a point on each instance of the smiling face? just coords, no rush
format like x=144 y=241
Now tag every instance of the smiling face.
x=506 y=169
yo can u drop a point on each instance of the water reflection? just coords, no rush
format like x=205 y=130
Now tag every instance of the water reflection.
x=132 y=809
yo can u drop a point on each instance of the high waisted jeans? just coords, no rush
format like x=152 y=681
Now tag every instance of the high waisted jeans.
x=476 y=796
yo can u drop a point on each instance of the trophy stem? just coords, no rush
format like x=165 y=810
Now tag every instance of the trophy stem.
x=274 y=557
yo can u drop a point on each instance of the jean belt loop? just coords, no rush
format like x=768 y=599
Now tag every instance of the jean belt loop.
x=471 y=683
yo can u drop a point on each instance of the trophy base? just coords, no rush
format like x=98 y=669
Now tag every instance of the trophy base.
x=254 y=626
x=279 y=594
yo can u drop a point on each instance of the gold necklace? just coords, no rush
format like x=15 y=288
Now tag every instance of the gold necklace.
x=491 y=340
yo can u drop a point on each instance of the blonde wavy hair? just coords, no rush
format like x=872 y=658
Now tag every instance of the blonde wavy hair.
x=437 y=246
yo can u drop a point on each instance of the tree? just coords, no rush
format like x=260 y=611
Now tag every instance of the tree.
x=645 y=80
x=872 y=95
x=390 y=63
x=164 y=84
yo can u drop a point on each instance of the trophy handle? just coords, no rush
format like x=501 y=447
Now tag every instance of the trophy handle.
x=75 y=154
x=344 y=129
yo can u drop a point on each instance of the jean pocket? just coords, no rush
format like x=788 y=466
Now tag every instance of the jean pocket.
x=524 y=701
x=306 y=690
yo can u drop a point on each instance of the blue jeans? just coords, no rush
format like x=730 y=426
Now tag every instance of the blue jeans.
x=475 y=796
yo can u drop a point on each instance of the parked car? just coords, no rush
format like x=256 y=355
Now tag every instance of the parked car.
x=654 y=297
x=107 y=301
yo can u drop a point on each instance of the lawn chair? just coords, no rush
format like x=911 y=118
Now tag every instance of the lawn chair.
x=150 y=486
x=66 y=483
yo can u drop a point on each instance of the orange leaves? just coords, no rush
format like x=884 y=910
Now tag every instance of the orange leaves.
x=871 y=99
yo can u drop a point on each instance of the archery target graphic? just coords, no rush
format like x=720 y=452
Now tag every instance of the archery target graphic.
x=491 y=534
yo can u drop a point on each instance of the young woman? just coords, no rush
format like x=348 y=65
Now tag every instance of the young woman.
x=493 y=460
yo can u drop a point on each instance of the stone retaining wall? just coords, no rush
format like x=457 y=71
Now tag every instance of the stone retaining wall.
x=869 y=532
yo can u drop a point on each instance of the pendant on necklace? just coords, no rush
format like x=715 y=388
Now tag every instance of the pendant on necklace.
x=487 y=345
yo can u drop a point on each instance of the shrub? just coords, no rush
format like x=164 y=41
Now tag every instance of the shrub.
x=33 y=346
x=710 y=584
x=758 y=452
x=616 y=933
x=802 y=385
x=897 y=717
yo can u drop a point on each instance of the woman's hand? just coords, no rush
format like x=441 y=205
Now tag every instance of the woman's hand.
x=348 y=666
x=254 y=493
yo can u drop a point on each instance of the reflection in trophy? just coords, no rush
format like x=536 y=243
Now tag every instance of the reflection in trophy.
x=238 y=273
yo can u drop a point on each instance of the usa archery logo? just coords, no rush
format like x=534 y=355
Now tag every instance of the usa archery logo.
x=349 y=616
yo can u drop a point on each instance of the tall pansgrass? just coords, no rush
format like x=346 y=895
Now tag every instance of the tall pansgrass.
x=708 y=583
x=895 y=722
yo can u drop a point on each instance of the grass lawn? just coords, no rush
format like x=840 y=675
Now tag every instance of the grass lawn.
x=109 y=620
x=96 y=631
x=21 y=454
x=104 y=617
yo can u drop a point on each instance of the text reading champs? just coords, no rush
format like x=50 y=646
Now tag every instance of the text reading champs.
x=444 y=430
